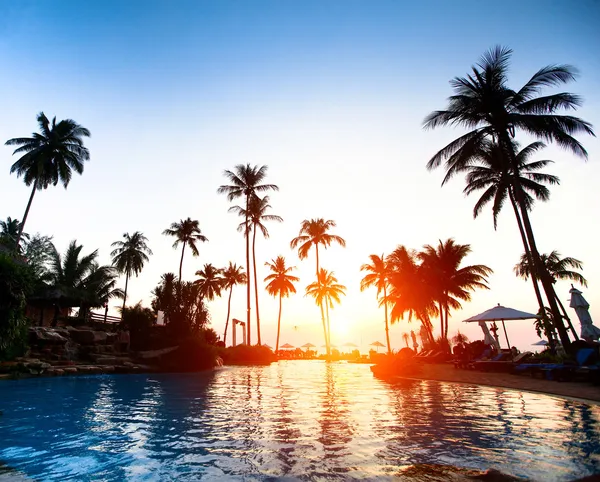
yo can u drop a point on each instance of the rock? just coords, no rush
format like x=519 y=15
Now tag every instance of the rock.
x=58 y=371
x=8 y=367
x=70 y=370
x=39 y=335
x=88 y=337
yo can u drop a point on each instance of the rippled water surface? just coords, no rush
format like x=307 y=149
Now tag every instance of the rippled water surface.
x=306 y=420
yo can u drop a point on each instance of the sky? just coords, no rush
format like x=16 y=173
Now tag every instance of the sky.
x=331 y=96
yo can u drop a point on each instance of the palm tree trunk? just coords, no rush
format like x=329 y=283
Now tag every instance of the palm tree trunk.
x=327 y=347
x=537 y=266
x=181 y=263
x=441 y=320
x=125 y=294
x=22 y=227
x=248 y=329
x=328 y=325
x=387 y=329
x=278 y=325
x=228 y=312
x=446 y=311
x=255 y=284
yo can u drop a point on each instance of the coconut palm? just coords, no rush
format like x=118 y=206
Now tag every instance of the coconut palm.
x=210 y=283
x=129 y=256
x=9 y=232
x=314 y=232
x=232 y=275
x=409 y=291
x=246 y=181
x=377 y=275
x=280 y=283
x=49 y=157
x=187 y=232
x=484 y=103
x=101 y=284
x=257 y=215
x=325 y=290
x=405 y=338
x=449 y=281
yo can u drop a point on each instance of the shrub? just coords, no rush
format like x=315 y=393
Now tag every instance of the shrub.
x=16 y=284
x=247 y=355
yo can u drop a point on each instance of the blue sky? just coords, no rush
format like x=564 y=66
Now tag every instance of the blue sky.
x=330 y=94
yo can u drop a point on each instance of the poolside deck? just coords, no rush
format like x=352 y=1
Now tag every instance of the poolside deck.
x=447 y=373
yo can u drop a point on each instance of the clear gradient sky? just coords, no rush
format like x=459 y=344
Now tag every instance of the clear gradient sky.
x=330 y=95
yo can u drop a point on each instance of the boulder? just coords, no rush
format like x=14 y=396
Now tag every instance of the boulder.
x=88 y=337
x=39 y=335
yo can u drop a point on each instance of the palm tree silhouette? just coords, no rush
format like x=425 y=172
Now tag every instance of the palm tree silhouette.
x=280 y=283
x=187 y=232
x=210 y=282
x=232 y=275
x=377 y=275
x=484 y=103
x=325 y=291
x=405 y=338
x=449 y=281
x=256 y=215
x=49 y=156
x=559 y=269
x=314 y=233
x=10 y=232
x=246 y=181
x=129 y=256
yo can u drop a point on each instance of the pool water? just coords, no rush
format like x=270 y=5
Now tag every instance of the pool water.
x=306 y=420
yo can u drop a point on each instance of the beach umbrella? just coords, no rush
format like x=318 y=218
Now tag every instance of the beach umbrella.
x=378 y=344
x=268 y=346
x=501 y=313
x=308 y=345
x=540 y=343
x=488 y=339
x=287 y=346
x=351 y=345
x=589 y=332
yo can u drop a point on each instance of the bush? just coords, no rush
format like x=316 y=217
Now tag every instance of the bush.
x=192 y=355
x=16 y=284
x=247 y=355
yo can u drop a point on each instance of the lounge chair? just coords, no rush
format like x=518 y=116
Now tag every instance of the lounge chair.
x=560 y=371
x=503 y=364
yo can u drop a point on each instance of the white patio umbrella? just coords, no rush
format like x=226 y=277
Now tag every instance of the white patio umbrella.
x=589 y=332
x=540 y=343
x=501 y=313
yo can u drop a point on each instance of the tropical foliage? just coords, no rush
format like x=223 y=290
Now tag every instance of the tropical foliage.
x=280 y=283
x=558 y=267
x=9 y=233
x=210 y=282
x=246 y=182
x=233 y=275
x=377 y=276
x=49 y=157
x=187 y=233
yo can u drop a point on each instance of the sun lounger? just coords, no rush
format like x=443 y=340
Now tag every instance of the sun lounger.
x=560 y=371
x=503 y=364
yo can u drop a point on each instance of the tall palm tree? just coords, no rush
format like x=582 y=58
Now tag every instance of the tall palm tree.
x=409 y=291
x=485 y=103
x=9 y=232
x=246 y=181
x=377 y=275
x=232 y=275
x=449 y=281
x=314 y=232
x=101 y=284
x=210 y=283
x=257 y=215
x=405 y=338
x=559 y=269
x=129 y=256
x=280 y=283
x=187 y=232
x=325 y=290
x=49 y=157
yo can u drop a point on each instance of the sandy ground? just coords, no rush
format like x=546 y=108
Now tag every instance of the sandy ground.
x=447 y=373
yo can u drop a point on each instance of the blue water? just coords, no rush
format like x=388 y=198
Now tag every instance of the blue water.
x=300 y=419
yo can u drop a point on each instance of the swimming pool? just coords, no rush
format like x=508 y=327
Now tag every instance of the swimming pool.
x=301 y=419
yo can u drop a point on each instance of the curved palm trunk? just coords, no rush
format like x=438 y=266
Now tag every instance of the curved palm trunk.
x=328 y=325
x=441 y=309
x=387 y=329
x=255 y=284
x=228 y=313
x=181 y=263
x=536 y=288
x=537 y=266
x=278 y=325
x=248 y=328
x=327 y=345
x=25 y=216
x=125 y=294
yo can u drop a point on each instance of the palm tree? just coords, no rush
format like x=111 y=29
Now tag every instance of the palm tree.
x=325 y=291
x=130 y=255
x=377 y=275
x=280 y=283
x=232 y=275
x=484 y=103
x=10 y=232
x=210 y=283
x=559 y=269
x=186 y=232
x=101 y=283
x=449 y=281
x=246 y=181
x=314 y=233
x=405 y=338
x=257 y=209
x=49 y=157
x=409 y=291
